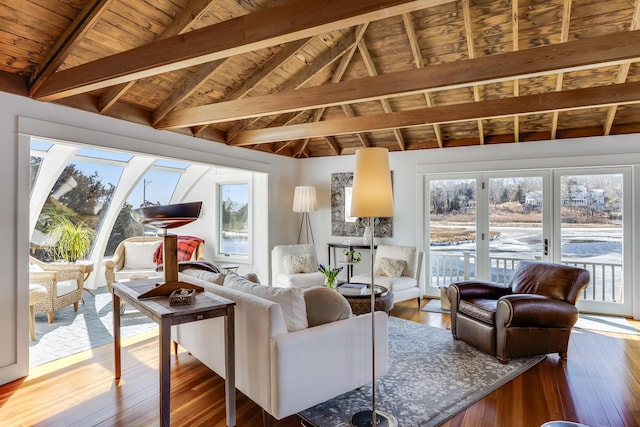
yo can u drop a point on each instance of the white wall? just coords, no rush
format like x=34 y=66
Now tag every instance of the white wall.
x=409 y=166
x=284 y=174
x=19 y=114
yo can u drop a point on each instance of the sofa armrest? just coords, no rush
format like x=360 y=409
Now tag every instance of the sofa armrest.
x=529 y=310
x=313 y=365
x=471 y=289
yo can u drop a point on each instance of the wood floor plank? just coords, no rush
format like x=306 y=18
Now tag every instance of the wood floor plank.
x=599 y=384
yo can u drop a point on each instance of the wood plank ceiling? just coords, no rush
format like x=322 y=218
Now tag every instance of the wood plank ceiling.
x=316 y=78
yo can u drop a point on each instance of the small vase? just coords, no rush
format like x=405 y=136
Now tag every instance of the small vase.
x=330 y=283
x=366 y=237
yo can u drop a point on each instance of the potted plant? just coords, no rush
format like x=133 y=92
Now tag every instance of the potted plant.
x=73 y=241
x=351 y=255
x=330 y=275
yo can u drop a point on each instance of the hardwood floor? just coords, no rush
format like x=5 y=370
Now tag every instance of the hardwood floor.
x=599 y=385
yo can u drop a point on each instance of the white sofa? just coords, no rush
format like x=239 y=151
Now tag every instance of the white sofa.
x=404 y=283
x=295 y=266
x=286 y=371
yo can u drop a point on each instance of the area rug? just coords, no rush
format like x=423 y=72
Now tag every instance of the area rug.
x=431 y=378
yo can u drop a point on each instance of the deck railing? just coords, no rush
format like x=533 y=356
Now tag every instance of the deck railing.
x=605 y=283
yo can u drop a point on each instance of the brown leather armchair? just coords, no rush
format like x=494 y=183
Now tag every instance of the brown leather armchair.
x=533 y=315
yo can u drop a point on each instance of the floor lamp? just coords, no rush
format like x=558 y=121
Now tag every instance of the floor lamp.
x=372 y=197
x=304 y=201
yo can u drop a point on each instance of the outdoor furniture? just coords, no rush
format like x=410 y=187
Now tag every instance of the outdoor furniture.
x=134 y=257
x=37 y=293
x=63 y=282
x=533 y=315
x=403 y=281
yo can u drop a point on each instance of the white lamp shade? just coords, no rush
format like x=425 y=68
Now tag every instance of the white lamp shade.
x=304 y=199
x=371 y=194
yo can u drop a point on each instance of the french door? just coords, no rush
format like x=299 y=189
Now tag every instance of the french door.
x=480 y=226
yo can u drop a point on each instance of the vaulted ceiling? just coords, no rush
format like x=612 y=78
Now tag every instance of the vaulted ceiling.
x=308 y=78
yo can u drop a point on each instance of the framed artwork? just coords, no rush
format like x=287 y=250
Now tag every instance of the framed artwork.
x=342 y=223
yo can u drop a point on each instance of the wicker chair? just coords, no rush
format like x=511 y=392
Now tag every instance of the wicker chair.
x=63 y=283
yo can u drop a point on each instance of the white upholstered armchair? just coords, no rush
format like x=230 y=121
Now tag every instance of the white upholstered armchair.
x=295 y=266
x=398 y=269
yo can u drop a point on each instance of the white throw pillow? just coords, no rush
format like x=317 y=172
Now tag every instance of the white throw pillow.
x=294 y=264
x=291 y=300
x=209 y=276
x=389 y=267
x=139 y=255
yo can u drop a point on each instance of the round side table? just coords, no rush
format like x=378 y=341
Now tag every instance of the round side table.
x=361 y=304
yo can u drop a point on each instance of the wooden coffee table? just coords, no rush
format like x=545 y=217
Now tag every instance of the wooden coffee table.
x=361 y=304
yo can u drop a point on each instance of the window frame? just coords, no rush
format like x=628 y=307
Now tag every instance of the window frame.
x=233 y=179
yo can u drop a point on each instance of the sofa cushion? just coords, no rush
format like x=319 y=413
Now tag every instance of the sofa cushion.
x=291 y=300
x=139 y=255
x=389 y=267
x=325 y=305
x=215 y=278
x=480 y=309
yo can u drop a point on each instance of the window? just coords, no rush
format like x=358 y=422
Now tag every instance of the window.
x=233 y=208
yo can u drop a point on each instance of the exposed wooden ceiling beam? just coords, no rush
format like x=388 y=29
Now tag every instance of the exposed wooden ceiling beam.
x=616 y=48
x=190 y=14
x=623 y=72
x=471 y=50
x=323 y=60
x=564 y=36
x=386 y=106
x=72 y=35
x=419 y=61
x=516 y=85
x=290 y=21
x=594 y=97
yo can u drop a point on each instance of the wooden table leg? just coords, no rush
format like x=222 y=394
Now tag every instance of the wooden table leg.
x=116 y=335
x=165 y=373
x=230 y=368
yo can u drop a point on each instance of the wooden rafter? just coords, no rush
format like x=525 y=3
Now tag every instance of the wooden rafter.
x=290 y=21
x=515 y=22
x=576 y=55
x=417 y=58
x=466 y=13
x=621 y=77
x=68 y=41
x=593 y=97
x=190 y=14
x=564 y=36
x=323 y=60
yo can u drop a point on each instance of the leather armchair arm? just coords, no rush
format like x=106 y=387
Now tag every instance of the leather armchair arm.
x=529 y=310
x=471 y=289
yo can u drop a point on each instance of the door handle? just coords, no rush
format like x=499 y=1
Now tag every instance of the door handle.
x=546 y=247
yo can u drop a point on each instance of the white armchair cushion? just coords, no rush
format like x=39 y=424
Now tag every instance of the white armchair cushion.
x=294 y=264
x=389 y=267
x=291 y=300
x=300 y=280
x=66 y=286
x=139 y=255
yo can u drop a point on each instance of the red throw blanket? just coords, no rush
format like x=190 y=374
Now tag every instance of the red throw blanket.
x=186 y=246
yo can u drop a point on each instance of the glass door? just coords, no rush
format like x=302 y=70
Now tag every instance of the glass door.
x=451 y=225
x=516 y=227
x=594 y=233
